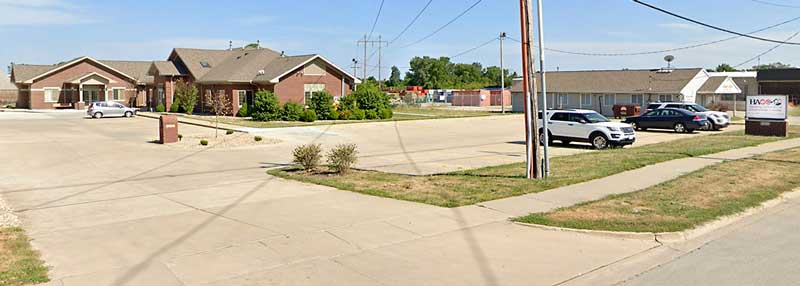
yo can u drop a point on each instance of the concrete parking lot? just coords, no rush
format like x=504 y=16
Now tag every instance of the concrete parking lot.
x=106 y=207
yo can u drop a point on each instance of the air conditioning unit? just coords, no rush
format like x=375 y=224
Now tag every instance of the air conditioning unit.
x=261 y=72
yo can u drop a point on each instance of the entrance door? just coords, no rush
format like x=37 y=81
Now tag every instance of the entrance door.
x=92 y=94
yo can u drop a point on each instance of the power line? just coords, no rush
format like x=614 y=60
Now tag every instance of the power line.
x=663 y=50
x=775 y=4
x=412 y=22
x=767 y=51
x=445 y=25
x=475 y=48
x=376 y=20
x=712 y=26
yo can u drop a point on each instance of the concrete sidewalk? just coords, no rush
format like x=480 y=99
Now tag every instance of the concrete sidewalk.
x=626 y=182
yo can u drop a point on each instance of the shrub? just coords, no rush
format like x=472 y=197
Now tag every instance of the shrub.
x=160 y=108
x=386 y=113
x=372 y=114
x=334 y=115
x=308 y=116
x=175 y=107
x=228 y=132
x=307 y=156
x=243 y=111
x=342 y=158
x=370 y=97
x=345 y=115
x=358 y=114
x=258 y=138
x=348 y=103
x=292 y=112
x=180 y=137
x=204 y=142
x=719 y=107
x=185 y=96
x=265 y=106
x=322 y=104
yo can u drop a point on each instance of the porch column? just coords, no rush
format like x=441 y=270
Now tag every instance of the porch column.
x=105 y=93
x=80 y=93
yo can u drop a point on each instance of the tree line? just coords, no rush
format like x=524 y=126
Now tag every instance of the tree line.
x=441 y=73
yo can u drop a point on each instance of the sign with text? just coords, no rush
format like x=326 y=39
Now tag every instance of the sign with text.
x=769 y=107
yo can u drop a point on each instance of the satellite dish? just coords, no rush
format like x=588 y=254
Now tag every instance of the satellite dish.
x=669 y=59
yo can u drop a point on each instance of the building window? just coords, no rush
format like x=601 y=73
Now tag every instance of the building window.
x=51 y=94
x=310 y=89
x=609 y=99
x=245 y=96
x=637 y=99
x=118 y=94
x=586 y=100
x=665 y=97
x=160 y=96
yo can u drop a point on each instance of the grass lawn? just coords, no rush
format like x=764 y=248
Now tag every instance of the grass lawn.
x=794 y=111
x=479 y=185
x=401 y=114
x=688 y=201
x=19 y=264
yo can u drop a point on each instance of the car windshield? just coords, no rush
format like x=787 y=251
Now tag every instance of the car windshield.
x=595 y=118
x=696 y=108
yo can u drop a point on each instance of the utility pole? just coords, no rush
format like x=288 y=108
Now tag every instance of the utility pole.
x=367 y=42
x=533 y=168
x=355 y=73
x=546 y=142
x=502 y=76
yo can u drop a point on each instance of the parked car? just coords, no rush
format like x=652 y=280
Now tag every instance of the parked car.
x=716 y=119
x=102 y=109
x=587 y=126
x=680 y=120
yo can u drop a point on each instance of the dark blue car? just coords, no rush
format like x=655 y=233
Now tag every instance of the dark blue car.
x=680 y=120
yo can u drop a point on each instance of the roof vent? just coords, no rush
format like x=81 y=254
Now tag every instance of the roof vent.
x=205 y=64
x=664 y=70
x=261 y=72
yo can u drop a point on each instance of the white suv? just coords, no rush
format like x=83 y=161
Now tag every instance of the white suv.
x=716 y=119
x=587 y=126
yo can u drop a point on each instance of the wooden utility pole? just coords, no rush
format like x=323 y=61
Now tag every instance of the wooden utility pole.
x=533 y=157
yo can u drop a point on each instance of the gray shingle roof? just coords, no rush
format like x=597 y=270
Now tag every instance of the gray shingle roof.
x=280 y=66
x=166 y=68
x=617 y=81
x=240 y=66
x=136 y=69
x=192 y=58
x=712 y=84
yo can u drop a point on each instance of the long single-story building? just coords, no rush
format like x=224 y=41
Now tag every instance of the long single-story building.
x=780 y=82
x=235 y=73
x=602 y=89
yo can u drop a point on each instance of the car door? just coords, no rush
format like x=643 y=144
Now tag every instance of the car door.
x=670 y=117
x=578 y=127
x=119 y=109
x=647 y=120
x=558 y=124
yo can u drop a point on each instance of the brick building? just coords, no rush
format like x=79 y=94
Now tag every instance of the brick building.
x=234 y=73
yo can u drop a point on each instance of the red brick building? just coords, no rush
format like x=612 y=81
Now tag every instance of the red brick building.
x=235 y=73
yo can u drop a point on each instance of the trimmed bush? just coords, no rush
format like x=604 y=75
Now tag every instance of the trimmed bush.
x=307 y=156
x=308 y=116
x=243 y=111
x=265 y=106
x=342 y=158
x=258 y=138
x=292 y=112
x=204 y=142
x=334 y=115
x=370 y=97
x=345 y=115
x=322 y=104
x=372 y=114
x=160 y=108
x=358 y=114
x=228 y=132
x=386 y=113
x=186 y=96
x=175 y=107
x=348 y=103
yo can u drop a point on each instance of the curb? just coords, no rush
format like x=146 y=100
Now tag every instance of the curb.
x=680 y=235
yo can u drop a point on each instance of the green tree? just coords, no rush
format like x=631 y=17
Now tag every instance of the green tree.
x=265 y=106
x=724 y=68
x=322 y=104
x=186 y=96
x=370 y=97
x=394 y=78
x=770 y=66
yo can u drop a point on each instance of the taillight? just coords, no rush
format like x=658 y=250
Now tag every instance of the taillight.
x=697 y=118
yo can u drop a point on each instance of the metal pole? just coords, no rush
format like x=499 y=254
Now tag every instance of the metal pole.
x=502 y=76
x=364 y=72
x=380 y=45
x=544 y=91
x=533 y=167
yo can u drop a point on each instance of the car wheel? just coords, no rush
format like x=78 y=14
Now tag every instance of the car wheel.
x=599 y=141
x=679 y=128
x=128 y=114
x=635 y=125
x=98 y=115
x=549 y=138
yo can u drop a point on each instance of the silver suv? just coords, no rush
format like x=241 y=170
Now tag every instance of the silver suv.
x=102 y=109
x=716 y=119
x=587 y=126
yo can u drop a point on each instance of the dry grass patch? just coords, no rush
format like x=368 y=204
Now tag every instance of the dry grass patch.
x=688 y=201
x=19 y=264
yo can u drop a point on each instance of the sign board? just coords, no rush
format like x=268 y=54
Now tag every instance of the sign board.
x=767 y=107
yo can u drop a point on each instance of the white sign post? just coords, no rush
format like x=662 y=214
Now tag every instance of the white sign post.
x=766 y=115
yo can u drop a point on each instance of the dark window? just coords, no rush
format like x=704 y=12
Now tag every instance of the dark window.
x=205 y=65
x=575 y=117
x=653 y=106
x=560 y=117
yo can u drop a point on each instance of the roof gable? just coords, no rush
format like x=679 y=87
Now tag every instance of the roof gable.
x=57 y=68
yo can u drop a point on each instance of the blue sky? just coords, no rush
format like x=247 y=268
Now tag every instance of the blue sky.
x=49 y=31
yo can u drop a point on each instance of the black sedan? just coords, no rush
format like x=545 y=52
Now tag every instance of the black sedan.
x=680 y=120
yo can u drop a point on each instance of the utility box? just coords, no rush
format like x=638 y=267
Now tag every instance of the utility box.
x=168 y=129
x=766 y=115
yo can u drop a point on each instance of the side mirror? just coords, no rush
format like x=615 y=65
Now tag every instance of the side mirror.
x=583 y=121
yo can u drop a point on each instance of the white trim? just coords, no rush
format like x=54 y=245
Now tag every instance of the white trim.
x=77 y=61
x=93 y=74
x=44 y=96
x=277 y=79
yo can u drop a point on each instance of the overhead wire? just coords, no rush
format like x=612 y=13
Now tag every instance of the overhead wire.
x=776 y=4
x=445 y=25
x=767 y=51
x=375 y=23
x=412 y=22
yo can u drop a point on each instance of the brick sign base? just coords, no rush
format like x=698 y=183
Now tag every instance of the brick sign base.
x=168 y=129
x=767 y=128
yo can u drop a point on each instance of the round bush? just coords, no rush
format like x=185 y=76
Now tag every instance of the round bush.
x=386 y=113
x=345 y=115
x=309 y=116
x=258 y=138
x=160 y=108
x=358 y=114
x=322 y=104
x=228 y=132
x=372 y=114
x=265 y=106
x=204 y=142
x=174 y=108
x=291 y=112
x=334 y=115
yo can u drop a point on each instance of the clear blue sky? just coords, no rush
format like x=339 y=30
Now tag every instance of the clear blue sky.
x=49 y=31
